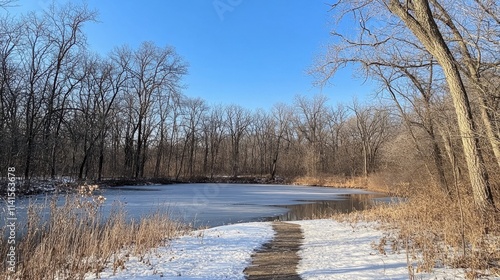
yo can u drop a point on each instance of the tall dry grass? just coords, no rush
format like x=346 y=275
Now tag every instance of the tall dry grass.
x=434 y=228
x=437 y=230
x=76 y=239
x=331 y=181
x=358 y=182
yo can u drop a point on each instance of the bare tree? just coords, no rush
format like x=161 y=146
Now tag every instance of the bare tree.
x=373 y=126
x=195 y=111
x=310 y=122
x=477 y=52
x=11 y=93
x=237 y=120
x=36 y=68
x=214 y=131
x=336 y=122
x=413 y=94
x=379 y=32
x=152 y=70
x=64 y=33
x=420 y=20
x=282 y=118
x=166 y=107
x=97 y=99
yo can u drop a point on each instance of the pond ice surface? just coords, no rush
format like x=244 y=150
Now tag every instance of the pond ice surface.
x=213 y=204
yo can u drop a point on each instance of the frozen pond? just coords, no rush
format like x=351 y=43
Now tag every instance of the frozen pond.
x=219 y=204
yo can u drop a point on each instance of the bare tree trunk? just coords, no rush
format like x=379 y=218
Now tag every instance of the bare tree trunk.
x=470 y=65
x=436 y=151
x=236 y=156
x=438 y=162
x=192 y=154
x=488 y=127
x=159 y=152
x=422 y=24
x=84 y=160
x=365 y=160
x=205 y=153
x=181 y=163
x=101 y=158
x=451 y=156
x=139 y=149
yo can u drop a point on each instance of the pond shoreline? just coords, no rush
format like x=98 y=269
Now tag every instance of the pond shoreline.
x=41 y=186
x=211 y=204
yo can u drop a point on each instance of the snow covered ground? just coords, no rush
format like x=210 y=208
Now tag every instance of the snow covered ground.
x=331 y=250
x=215 y=253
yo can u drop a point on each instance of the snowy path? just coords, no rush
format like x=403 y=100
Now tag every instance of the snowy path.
x=330 y=250
x=279 y=258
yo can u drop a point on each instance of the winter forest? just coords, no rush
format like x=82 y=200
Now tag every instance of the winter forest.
x=68 y=112
x=424 y=146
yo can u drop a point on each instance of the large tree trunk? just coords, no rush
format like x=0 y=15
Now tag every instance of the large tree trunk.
x=438 y=162
x=488 y=127
x=422 y=24
x=470 y=67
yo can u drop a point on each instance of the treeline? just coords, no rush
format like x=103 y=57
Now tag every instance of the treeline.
x=68 y=112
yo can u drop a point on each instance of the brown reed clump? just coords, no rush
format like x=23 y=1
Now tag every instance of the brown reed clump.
x=358 y=182
x=76 y=238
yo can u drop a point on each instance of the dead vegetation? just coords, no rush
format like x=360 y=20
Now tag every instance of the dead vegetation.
x=436 y=230
x=371 y=183
x=433 y=228
x=72 y=240
x=330 y=181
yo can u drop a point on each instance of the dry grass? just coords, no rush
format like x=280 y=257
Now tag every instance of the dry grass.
x=371 y=183
x=76 y=239
x=331 y=181
x=437 y=230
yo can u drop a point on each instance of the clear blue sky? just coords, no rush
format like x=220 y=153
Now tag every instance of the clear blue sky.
x=254 y=53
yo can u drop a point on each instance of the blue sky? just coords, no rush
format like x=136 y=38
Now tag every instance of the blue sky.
x=253 y=53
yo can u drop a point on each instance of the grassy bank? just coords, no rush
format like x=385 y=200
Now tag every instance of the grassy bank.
x=439 y=230
x=435 y=228
x=76 y=238
x=371 y=183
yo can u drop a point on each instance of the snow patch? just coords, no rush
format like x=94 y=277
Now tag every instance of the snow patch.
x=335 y=250
x=330 y=250
x=216 y=253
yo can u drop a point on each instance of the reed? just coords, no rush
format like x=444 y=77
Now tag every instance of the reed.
x=357 y=182
x=438 y=230
x=77 y=238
